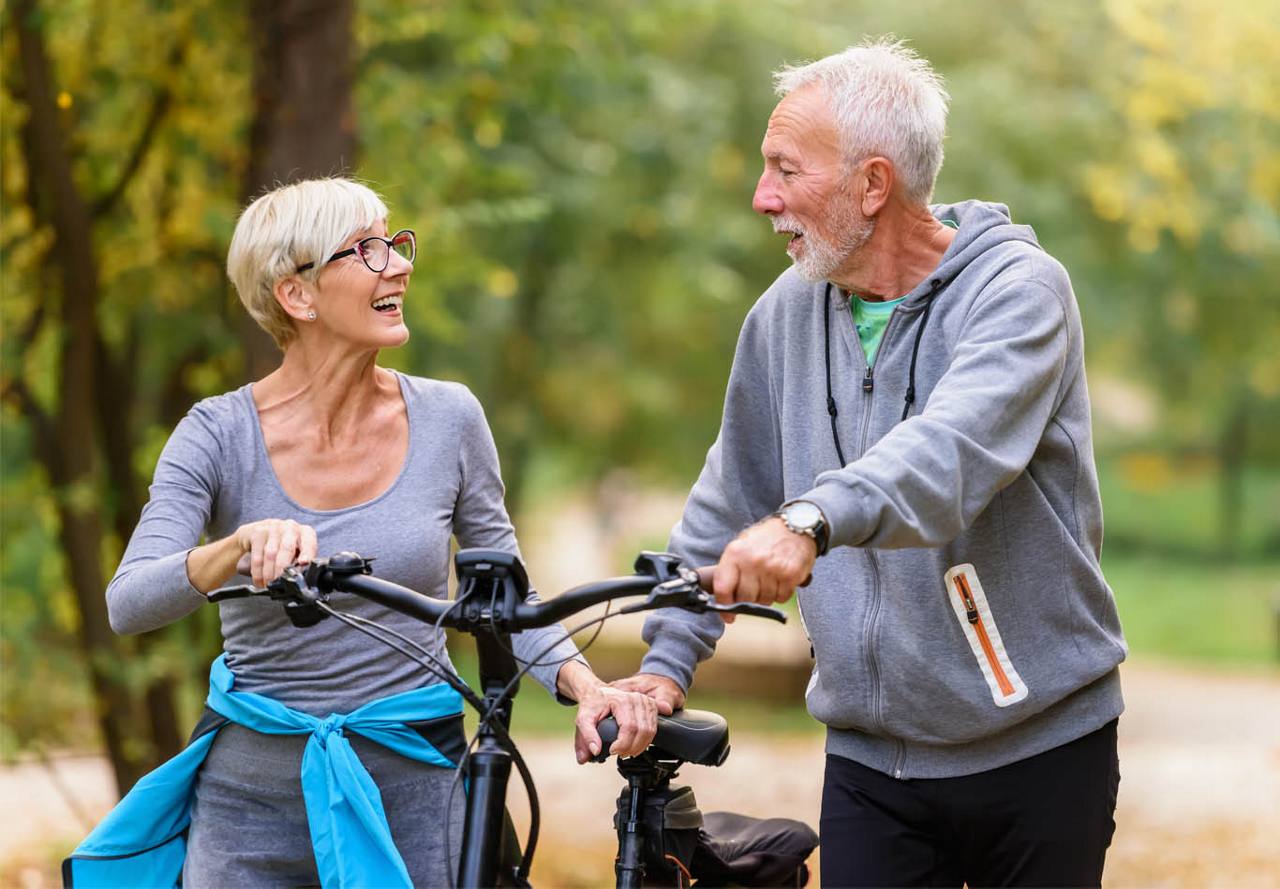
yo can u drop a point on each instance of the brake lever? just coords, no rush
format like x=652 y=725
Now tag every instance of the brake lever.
x=243 y=591
x=750 y=609
x=684 y=592
x=294 y=588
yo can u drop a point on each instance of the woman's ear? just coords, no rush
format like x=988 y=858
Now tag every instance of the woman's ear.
x=879 y=176
x=295 y=298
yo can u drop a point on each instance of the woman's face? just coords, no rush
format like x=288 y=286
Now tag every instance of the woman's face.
x=362 y=306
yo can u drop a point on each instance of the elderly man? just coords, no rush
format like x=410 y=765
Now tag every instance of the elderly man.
x=907 y=424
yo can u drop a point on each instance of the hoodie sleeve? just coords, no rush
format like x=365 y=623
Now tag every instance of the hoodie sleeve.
x=741 y=481
x=930 y=477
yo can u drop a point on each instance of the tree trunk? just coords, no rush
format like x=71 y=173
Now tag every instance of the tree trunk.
x=303 y=117
x=1232 y=451
x=69 y=453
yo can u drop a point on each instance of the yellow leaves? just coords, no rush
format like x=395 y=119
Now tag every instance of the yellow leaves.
x=502 y=282
x=488 y=133
x=1197 y=113
x=1166 y=90
x=1157 y=158
x=1146 y=471
x=1141 y=22
x=1105 y=186
x=1264 y=377
x=64 y=100
x=1264 y=178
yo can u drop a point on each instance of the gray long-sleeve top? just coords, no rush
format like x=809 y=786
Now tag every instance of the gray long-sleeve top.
x=215 y=475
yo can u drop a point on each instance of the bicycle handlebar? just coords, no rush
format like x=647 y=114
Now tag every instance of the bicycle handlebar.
x=666 y=583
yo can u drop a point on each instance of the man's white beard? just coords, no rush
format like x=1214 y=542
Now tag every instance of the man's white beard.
x=820 y=256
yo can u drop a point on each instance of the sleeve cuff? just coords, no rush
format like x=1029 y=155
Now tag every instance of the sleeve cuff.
x=847 y=521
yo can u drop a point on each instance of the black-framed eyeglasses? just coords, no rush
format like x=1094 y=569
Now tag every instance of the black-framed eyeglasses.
x=376 y=251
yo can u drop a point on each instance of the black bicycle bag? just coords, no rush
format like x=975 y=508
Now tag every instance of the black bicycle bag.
x=682 y=846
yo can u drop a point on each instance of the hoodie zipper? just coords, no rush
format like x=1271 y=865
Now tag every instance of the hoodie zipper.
x=873 y=616
x=973 y=617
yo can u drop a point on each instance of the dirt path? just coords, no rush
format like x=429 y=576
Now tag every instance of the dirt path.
x=1199 y=795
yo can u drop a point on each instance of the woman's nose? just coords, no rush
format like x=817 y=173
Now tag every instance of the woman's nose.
x=397 y=265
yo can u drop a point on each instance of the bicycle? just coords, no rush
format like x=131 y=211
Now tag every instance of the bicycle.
x=491 y=604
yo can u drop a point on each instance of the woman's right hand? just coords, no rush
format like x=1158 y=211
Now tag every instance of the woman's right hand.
x=269 y=546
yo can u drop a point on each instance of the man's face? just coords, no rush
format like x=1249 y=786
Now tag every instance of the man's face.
x=804 y=186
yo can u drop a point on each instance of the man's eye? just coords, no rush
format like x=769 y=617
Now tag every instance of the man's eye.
x=786 y=172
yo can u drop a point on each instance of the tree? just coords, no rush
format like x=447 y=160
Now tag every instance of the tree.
x=303 y=119
x=153 y=215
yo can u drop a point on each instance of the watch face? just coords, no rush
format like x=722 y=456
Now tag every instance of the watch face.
x=804 y=515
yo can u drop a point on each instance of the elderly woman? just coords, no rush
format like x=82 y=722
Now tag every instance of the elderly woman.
x=328 y=452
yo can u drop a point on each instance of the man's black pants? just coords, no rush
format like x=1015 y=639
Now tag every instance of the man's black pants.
x=1044 y=821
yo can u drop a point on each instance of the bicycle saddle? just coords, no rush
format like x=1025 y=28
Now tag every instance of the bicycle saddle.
x=697 y=736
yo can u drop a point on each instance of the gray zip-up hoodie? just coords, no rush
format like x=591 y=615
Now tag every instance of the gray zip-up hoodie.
x=960 y=621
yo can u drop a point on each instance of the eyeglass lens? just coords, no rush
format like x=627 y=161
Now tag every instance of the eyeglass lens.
x=376 y=255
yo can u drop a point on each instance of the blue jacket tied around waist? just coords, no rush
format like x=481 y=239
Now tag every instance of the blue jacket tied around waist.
x=142 y=841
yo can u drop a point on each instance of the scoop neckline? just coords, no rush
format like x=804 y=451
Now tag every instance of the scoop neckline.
x=261 y=439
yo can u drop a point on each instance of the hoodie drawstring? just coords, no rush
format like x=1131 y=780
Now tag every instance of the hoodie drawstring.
x=831 y=402
x=934 y=286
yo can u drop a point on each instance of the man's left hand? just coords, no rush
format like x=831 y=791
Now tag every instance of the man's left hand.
x=764 y=564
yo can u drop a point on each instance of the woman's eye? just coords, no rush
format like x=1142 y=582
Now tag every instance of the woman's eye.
x=786 y=172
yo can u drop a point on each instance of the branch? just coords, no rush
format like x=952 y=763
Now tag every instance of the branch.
x=16 y=391
x=160 y=104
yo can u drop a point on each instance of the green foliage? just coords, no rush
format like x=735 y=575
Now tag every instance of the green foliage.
x=1162 y=505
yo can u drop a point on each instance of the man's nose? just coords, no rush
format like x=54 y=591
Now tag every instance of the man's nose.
x=766 y=199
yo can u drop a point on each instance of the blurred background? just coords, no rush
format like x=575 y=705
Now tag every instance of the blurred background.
x=580 y=178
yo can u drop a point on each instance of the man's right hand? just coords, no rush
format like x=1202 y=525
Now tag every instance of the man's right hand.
x=660 y=688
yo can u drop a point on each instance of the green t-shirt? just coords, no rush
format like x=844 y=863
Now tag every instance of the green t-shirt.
x=870 y=319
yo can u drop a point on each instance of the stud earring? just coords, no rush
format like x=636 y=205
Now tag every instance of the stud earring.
x=311 y=315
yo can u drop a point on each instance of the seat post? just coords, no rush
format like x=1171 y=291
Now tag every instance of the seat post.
x=643 y=773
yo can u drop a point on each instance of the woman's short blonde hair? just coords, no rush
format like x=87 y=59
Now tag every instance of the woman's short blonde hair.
x=290 y=226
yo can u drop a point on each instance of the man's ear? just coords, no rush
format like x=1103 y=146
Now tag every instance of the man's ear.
x=878 y=174
x=294 y=298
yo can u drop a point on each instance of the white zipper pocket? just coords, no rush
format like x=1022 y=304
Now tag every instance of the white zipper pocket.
x=969 y=602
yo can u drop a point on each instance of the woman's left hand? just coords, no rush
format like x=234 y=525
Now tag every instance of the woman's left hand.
x=635 y=713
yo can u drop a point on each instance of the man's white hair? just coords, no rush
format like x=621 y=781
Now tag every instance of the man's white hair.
x=886 y=101
x=291 y=226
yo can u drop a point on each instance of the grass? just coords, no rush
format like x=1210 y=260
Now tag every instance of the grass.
x=1179 y=598
x=1198 y=612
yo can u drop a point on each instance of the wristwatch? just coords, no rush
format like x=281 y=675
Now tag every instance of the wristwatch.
x=804 y=517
